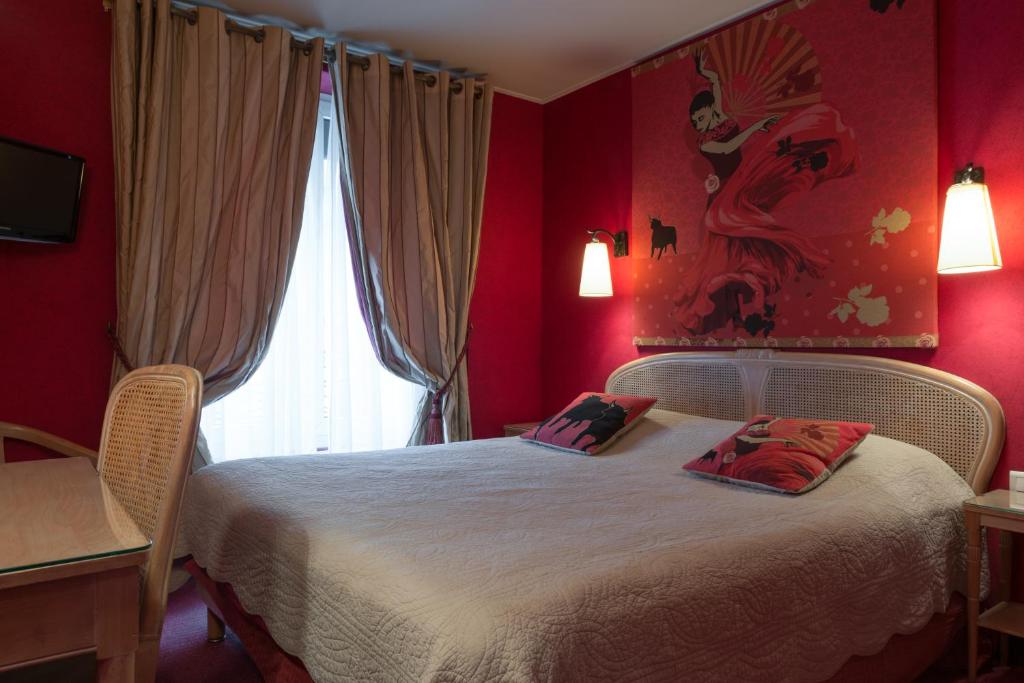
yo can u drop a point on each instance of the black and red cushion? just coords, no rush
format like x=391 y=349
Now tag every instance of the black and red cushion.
x=591 y=423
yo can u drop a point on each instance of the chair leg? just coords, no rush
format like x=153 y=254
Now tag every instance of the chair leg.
x=146 y=660
x=214 y=627
x=115 y=669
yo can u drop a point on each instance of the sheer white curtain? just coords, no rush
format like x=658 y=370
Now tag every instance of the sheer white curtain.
x=320 y=387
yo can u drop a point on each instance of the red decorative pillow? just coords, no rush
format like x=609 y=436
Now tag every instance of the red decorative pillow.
x=591 y=422
x=781 y=454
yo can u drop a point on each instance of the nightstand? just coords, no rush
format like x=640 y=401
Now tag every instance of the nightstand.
x=520 y=428
x=991 y=510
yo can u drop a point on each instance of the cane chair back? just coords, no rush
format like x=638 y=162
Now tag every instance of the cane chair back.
x=145 y=454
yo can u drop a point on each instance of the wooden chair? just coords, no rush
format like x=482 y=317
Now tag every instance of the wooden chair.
x=149 y=436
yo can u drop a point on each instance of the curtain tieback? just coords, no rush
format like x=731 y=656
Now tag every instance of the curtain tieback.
x=435 y=423
x=115 y=341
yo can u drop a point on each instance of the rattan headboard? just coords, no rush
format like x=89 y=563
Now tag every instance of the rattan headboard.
x=951 y=417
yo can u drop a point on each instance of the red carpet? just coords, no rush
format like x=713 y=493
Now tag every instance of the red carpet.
x=996 y=675
x=186 y=657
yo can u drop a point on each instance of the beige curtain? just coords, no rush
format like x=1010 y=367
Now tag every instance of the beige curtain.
x=213 y=135
x=414 y=157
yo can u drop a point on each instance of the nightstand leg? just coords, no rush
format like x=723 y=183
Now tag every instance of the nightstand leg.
x=1005 y=570
x=973 y=523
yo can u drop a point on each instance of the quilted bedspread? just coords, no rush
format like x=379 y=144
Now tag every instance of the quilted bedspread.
x=504 y=560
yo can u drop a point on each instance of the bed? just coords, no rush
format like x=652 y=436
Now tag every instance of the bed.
x=502 y=560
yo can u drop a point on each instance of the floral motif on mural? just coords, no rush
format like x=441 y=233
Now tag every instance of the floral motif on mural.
x=887 y=224
x=872 y=311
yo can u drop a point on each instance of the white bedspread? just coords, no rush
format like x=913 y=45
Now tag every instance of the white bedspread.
x=504 y=560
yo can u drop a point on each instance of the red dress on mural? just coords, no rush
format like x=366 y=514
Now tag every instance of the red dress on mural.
x=746 y=256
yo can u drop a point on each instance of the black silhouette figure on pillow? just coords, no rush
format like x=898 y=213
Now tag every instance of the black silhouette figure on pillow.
x=589 y=409
x=757 y=433
x=605 y=426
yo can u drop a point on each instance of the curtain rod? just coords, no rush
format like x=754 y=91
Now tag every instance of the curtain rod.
x=330 y=52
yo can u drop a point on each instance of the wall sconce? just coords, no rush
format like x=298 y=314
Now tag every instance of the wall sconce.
x=969 y=241
x=596 y=277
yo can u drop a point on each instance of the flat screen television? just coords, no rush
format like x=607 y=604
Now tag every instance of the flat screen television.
x=39 y=192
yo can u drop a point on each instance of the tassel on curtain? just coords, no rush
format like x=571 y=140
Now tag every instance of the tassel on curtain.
x=119 y=354
x=414 y=167
x=435 y=423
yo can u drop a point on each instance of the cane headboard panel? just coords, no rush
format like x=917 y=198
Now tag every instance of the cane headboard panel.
x=709 y=389
x=953 y=418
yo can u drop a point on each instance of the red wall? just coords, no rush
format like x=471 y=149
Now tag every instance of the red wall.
x=505 y=344
x=554 y=172
x=587 y=149
x=57 y=299
x=587 y=185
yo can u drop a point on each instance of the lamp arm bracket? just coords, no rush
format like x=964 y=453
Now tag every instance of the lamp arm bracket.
x=620 y=240
x=970 y=174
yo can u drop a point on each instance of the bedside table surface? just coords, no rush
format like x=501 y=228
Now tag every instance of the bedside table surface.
x=525 y=426
x=997 y=501
x=520 y=428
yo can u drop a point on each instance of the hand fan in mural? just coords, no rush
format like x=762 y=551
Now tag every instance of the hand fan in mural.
x=766 y=67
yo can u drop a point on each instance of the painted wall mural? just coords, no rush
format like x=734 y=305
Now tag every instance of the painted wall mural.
x=784 y=181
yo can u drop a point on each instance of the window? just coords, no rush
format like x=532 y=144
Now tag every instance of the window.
x=320 y=387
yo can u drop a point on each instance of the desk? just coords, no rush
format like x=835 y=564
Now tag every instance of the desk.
x=69 y=568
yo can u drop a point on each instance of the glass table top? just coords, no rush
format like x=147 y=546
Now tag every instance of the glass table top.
x=1000 y=500
x=59 y=511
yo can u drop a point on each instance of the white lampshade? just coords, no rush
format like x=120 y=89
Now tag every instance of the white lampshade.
x=969 y=241
x=596 y=279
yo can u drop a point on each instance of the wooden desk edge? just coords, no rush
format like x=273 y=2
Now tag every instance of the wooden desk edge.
x=47 y=658
x=92 y=565
x=997 y=519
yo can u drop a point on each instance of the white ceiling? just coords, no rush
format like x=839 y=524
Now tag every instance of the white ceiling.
x=537 y=49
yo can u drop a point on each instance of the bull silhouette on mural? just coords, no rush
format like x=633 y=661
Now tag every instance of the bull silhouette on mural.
x=882 y=6
x=662 y=237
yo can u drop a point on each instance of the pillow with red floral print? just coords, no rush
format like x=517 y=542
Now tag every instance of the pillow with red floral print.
x=591 y=422
x=781 y=454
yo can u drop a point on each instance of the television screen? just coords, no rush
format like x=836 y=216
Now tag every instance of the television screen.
x=39 y=192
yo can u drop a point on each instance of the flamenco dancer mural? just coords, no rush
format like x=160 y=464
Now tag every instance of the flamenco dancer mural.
x=786 y=169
